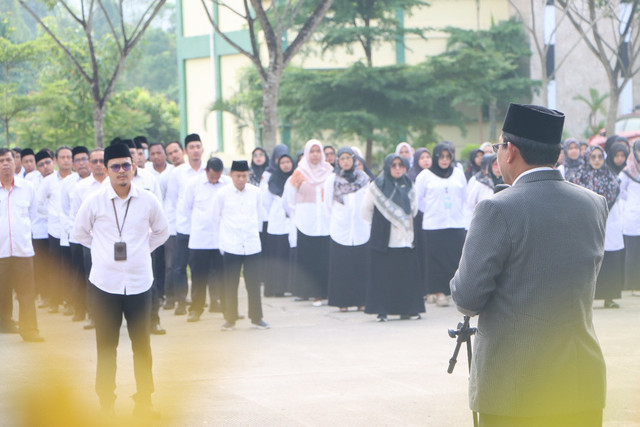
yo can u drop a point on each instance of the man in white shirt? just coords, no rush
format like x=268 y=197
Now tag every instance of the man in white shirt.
x=17 y=211
x=239 y=209
x=175 y=197
x=28 y=160
x=77 y=195
x=175 y=155
x=204 y=249
x=50 y=205
x=122 y=224
x=142 y=148
x=19 y=170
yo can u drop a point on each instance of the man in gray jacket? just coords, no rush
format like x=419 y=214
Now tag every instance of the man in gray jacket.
x=528 y=270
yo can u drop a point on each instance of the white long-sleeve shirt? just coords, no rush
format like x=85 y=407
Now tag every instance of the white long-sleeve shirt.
x=310 y=218
x=66 y=187
x=178 y=223
x=77 y=195
x=442 y=200
x=240 y=214
x=346 y=225
x=199 y=194
x=144 y=229
x=162 y=177
x=39 y=227
x=50 y=203
x=630 y=193
x=18 y=210
x=476 y=192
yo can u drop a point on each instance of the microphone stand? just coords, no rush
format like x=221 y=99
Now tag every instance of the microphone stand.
x=463 y=334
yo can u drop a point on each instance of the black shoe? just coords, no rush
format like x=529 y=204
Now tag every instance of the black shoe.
x=32 y=337
x=193 y=316
x=215 y=307
x=381 y=318
x=610 y=304
x=181 y=309
x=228 y=326
x=78 y=317
x=68 y=310
x=410 y=317
x=169 y=305
x=89 y=325
x=157 y=330
x=260 y=324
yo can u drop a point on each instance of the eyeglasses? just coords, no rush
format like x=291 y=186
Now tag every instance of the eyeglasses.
x=125 y=167
x=445 y=156
x=496 y=147
x=96 y=161
x=397 y=165
x=81 y=159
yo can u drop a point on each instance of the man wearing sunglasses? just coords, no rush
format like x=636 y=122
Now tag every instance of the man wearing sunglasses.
x=122 y=224
x=528 y=270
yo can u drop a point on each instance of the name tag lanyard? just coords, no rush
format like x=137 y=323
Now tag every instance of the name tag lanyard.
x=123 y=219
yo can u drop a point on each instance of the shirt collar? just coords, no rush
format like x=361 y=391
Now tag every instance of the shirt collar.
x=527 y=172
x=111 y=193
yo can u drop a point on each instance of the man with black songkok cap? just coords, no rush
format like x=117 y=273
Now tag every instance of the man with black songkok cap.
x=204 y=248
x=122 y=224
x=142 y=148
x=528 y=270
x=28 y=160
x=238 y=208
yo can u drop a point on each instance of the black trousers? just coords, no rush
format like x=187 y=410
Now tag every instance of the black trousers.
x=581 y=419
x=78 y=279
x=86 y=252
x=181 y=260
x=206 y=269
x=41 y=267
x=108 y=312
x=169 y=258
x=157 y=287
x=55 y=273
x=17 y=273
x=232 y=265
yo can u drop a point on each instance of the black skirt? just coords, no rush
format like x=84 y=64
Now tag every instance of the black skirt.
x=611 y=276
x=276 y=265
x=312 y=267
x=394 y=283
x=419 y=248
x=442 y=252
x=347 y=283
x=632 y=262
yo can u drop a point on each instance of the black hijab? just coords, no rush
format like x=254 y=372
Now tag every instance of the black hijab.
x=278 y=151
x=415 y=167
x=617 y=147
x=347 y=180
x=486 y=175
x=437 y=152
x=393 y=197
x=278 y=178
x=257 y=170
x=472 y=168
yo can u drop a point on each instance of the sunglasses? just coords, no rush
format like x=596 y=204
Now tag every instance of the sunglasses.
x=496 y=147
x=125 y=167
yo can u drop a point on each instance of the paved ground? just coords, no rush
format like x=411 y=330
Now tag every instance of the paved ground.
x=315 y=367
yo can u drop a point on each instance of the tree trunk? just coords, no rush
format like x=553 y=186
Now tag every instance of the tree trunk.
x=480 y=134
x=493 y=112
x=6 y=132
x=612 y=114
x=270 y=89
x=368 y=155
x=98 y=131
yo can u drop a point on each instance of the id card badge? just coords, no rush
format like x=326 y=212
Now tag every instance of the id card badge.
x=120 y=251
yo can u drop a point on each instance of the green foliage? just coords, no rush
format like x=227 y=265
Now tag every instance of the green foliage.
x=466 y=152
x=596 y=105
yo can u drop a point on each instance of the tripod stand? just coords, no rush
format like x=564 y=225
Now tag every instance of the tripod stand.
x=462 y=334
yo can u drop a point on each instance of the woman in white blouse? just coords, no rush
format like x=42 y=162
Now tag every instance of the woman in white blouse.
x=343 y=194
x=303 y=198
x=630 y=193
x=442 y=192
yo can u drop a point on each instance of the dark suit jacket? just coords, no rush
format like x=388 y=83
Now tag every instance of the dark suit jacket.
x=528 y=269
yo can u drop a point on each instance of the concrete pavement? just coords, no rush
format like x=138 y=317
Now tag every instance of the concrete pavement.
x=314 y=367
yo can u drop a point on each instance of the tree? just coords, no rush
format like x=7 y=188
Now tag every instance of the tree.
x=485 y=68
x=100 y=62
x=368 y=24
x=274 y=23
x=595 y=102
x=614 y=40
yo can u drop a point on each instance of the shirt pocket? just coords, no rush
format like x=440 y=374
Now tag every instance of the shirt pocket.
x=23 y=208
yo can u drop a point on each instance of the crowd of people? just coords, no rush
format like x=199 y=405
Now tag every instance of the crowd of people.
x=319 y=213
x=304 y=226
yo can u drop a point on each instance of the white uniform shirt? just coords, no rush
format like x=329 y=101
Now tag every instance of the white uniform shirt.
x=17 y=212
x=50 y=204
x=65 y=201
x=240 y=214
x=162 y=177
x=199 y=195
x=77 y=195
x=178 y=223
x=476 y=192
x=39 y=227
x=144 y=229
x=310 y=218
x=613 y=239
x=346 y=225
x=278 y=221
x=630 y=193
x=442 y=200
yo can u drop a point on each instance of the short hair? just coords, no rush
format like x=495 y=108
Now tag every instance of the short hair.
x=174 y=142
x=5 y=150
x=95 y=150
x=534 y=152
x=17 y=150
x=153 y=144
x=63 y=147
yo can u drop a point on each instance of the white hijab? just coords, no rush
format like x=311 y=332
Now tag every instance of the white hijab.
x=318 y=173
